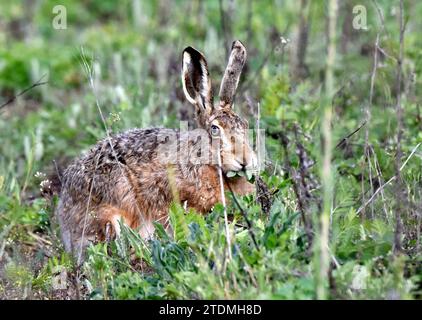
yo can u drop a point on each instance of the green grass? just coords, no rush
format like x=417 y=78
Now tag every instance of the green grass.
x=136 y=62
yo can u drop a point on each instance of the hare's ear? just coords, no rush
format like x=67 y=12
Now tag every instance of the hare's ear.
x=196 y=80
x=232 y=74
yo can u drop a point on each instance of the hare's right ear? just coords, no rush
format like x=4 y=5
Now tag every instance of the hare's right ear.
x=196 y=80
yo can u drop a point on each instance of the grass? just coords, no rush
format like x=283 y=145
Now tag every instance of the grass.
x=135 y=58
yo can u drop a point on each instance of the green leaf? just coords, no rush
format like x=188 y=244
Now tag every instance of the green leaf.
x=231 y=174
x=178 y=222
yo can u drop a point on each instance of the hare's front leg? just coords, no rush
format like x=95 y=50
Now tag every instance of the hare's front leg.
x=111 y=217
x=147 y=227
x=109 y=222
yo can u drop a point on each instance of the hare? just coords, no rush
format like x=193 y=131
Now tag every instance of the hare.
x=134 y=176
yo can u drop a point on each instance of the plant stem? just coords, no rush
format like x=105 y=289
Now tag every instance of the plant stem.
x=326 y=170
x=223 y=201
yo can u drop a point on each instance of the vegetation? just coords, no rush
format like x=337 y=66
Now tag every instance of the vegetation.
x=339 y=99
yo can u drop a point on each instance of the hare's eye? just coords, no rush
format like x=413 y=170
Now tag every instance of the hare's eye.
x=215 y=131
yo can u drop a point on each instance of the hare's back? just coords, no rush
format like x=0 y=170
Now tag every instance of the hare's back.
x=104 y=162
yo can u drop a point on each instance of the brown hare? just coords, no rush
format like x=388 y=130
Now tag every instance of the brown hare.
x=134 y=176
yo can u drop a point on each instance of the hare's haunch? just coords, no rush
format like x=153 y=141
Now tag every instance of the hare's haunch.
x=134 y=176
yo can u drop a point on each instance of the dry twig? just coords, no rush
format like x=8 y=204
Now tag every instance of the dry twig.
x=36 y=84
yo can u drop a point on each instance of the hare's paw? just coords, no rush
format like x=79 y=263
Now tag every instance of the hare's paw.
x=110 y=220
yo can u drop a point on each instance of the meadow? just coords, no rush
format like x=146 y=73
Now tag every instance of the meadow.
x=336 y=87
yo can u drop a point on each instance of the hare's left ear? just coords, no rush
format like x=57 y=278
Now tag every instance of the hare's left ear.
x=232 y=74
x=196 y=81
